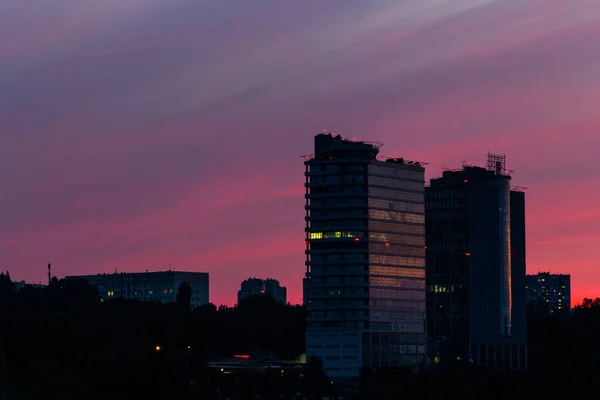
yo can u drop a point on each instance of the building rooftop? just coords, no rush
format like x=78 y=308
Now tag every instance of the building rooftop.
x=546 y=273
x=329 y=145
x=495 y=168
x=136 y=274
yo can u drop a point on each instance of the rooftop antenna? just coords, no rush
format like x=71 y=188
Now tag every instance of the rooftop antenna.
x=496 y=163
x=49 y=273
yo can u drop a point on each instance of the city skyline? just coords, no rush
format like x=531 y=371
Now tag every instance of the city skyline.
x=158 y=135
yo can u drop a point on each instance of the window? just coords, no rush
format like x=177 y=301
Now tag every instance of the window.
x=396 y=260
x=396 y=249
x=396 y=205
x=396 y=194
x=412 y=184
x=396 y=238
x=397 y=216
x=396 y=282
x=396 y=227
x=398 y=272
x=397 y=294
x=336 y=235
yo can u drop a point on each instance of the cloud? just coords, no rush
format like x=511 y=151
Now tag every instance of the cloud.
x=140 y=134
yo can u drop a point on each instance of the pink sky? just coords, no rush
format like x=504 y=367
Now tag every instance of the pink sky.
x=144 y=134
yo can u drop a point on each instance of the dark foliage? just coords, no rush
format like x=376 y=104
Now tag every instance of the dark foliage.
x=63 y=341
x=184 y=296
x=564 y=360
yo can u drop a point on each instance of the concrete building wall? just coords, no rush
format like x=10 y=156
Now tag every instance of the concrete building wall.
x=149 y=286
x=336 y=284
x=364 y=288
x=268 y=287
x=554 y=289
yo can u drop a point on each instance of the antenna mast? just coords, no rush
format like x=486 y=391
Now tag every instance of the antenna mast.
x=497 y=164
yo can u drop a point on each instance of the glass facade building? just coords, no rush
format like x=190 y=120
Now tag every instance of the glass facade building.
x=476 y=308
x=365 y=257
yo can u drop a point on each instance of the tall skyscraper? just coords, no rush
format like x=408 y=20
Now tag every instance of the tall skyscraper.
x=475 y=234
x=365 y=257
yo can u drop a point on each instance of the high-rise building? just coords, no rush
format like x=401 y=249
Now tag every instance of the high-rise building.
x=475 y=234
x=365 y=257
x=552 y=289
x=149 y=286
x=267 y=287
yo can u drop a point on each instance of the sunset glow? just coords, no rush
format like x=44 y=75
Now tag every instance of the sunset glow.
x=148 y=135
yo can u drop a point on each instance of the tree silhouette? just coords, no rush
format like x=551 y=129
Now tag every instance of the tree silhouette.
x=317 y=383
x=72 y=345
x=589 y=303
x=184 y=296
x=7 y=287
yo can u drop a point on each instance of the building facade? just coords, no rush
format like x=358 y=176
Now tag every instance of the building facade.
x=475 y=233
x=552 y=289
x=267 y=287
x=365 y=278
x=149 y=286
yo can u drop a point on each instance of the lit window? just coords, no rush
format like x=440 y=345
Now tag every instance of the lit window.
x=335 y=235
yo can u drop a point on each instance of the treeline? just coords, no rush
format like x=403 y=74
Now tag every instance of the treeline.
x=63 y=339
x=566 y=343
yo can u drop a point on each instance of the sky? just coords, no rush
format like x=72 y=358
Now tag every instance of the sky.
x=151 y=134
